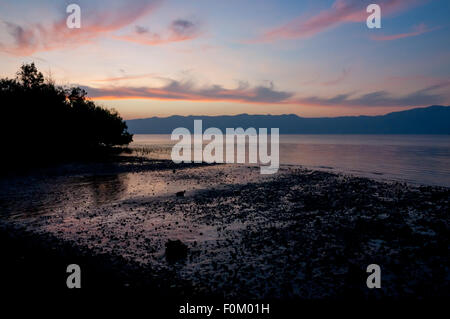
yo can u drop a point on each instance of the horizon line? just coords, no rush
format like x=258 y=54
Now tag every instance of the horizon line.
x=286 y=114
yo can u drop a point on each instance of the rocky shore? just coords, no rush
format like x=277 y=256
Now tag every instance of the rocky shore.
x=225 y=231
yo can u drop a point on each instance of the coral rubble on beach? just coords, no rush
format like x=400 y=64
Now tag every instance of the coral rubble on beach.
x=299 y=233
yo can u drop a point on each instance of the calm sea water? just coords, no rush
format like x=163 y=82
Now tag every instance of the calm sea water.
x=422 y=159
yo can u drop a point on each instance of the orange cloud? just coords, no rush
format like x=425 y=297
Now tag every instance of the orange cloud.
x=176 y=90
x=187 y=91
x=125 y=77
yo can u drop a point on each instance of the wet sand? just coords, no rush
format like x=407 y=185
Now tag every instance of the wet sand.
x=296 y=234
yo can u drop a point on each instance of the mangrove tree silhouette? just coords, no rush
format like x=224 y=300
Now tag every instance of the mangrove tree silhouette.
x=43 y=121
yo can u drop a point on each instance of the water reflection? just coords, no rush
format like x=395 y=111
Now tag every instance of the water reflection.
x=106 y=189
x=416 y=164
x=422 y=159
x=25 y=197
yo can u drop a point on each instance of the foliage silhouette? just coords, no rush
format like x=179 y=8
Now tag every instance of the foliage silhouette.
x=45 y=122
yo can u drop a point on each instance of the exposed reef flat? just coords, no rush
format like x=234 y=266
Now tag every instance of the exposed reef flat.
x=296 y=234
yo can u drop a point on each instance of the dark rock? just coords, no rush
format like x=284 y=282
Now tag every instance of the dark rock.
x=176 y=250
x=180 y=194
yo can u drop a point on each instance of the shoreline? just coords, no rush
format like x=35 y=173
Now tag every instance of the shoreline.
x=300 y=234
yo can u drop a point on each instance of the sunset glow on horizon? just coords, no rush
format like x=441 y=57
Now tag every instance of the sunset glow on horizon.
x=149 y=58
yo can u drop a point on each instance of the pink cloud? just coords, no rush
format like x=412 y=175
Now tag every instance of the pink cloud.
x=429 y=95
x=417 y=30
x=95 y=23
x=342 y=11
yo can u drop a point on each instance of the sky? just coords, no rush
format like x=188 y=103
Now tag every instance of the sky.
x=148 y=58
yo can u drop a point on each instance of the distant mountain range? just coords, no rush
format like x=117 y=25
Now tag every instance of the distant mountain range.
x=429 y=120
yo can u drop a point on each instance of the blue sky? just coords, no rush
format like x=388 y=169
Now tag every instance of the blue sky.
x=313 y=58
